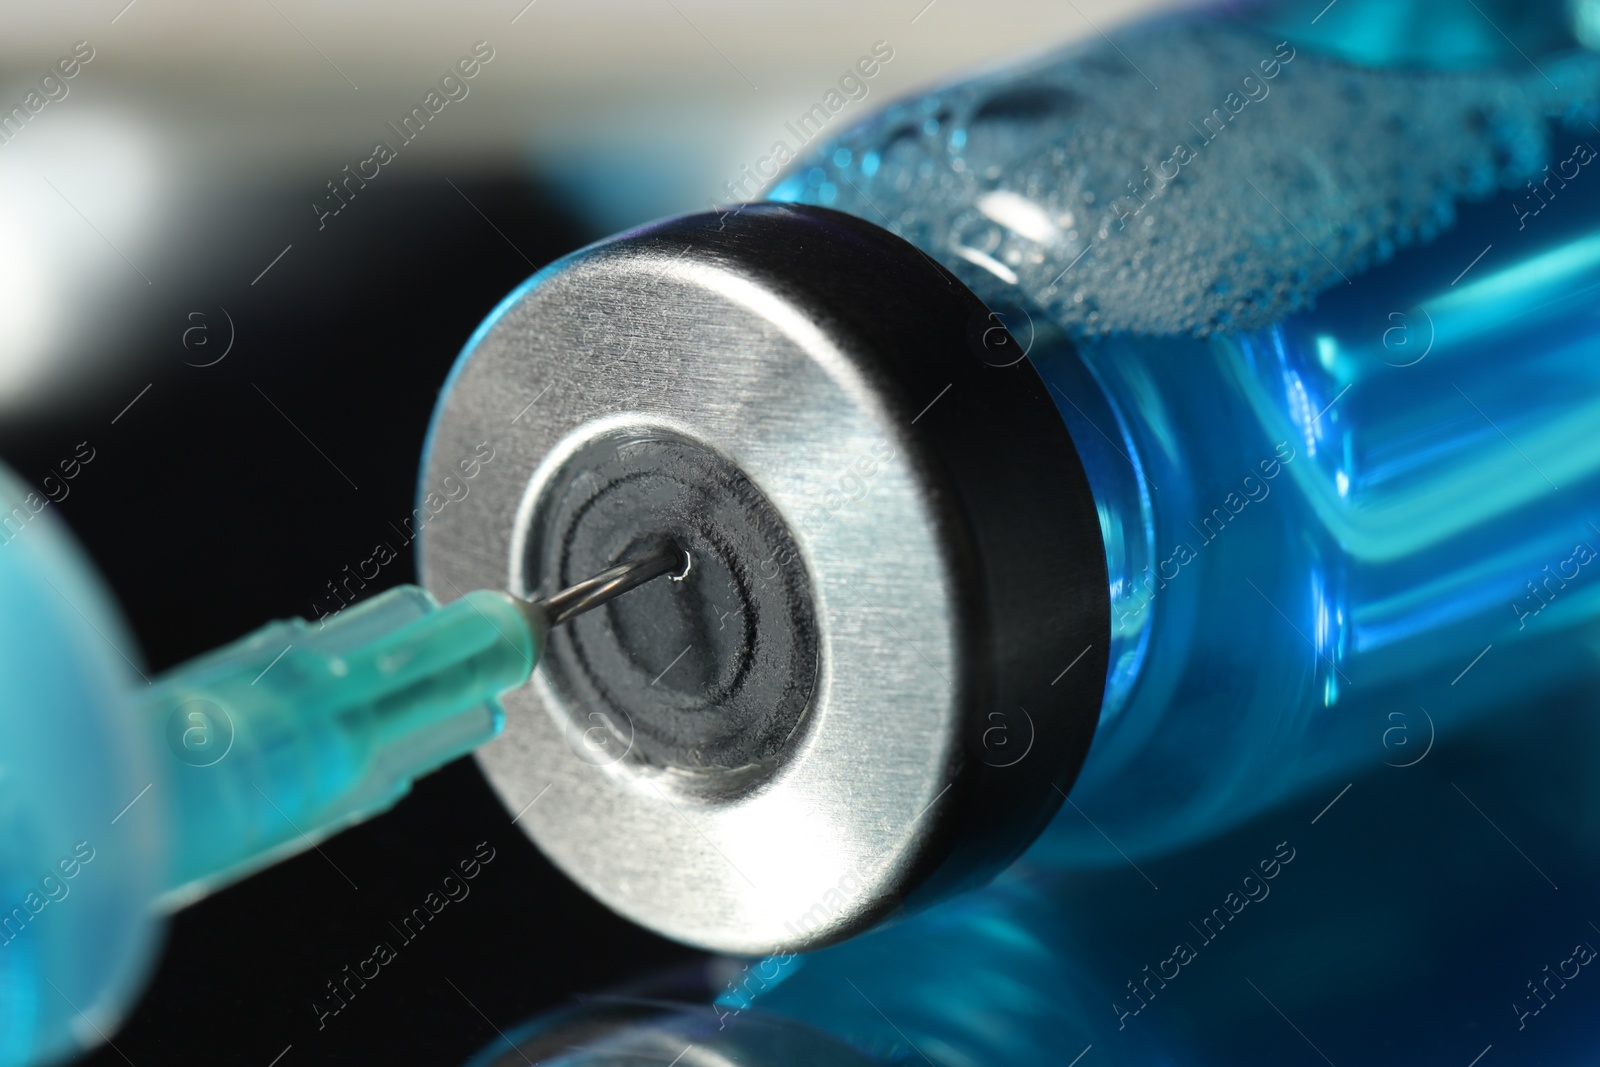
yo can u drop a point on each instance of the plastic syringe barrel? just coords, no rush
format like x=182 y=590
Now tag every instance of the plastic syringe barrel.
x=300 y=729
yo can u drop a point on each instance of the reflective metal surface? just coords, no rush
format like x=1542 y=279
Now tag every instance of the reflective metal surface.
x=625 y=1032
x=833 y=716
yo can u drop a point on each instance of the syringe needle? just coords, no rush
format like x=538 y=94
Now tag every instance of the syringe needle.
x=612 y=583
x=321 y=725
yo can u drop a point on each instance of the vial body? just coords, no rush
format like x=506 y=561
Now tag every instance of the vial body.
x=1324 y=552
x=1327 y=352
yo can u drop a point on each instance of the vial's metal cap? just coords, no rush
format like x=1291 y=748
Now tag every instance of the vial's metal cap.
x=846 y=706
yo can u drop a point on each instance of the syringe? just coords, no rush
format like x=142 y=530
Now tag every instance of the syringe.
x=115 y=793
x=301 y=729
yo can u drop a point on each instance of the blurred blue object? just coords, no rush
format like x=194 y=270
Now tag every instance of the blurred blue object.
x=82 y=841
